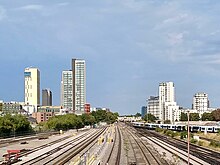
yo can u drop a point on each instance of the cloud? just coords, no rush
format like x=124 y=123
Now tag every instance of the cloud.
x=211 y=59
x=63 y=4
x=175 y=38
x=30 y=7
x=175 y=19
x=2 y=13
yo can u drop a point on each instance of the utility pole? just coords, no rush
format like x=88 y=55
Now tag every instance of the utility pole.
x=188 y=136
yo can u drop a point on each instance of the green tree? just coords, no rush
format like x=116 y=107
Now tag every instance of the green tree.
x=183 y=117
x=116 y=114
x=149 y=117
x=194 y=117
x=137 y=115
x=12 y=125
x=88 y=119
x=99 y=115
x=64 y=122
x=216 y=115
x=110 y=118
x=207 y=117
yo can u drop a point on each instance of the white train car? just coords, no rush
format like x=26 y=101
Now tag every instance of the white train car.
x=192 y=128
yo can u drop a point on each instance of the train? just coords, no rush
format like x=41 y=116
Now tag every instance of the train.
x=173 y=127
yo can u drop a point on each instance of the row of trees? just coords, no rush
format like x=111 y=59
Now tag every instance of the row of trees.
x=14 y=125
x=213 y=116
x=72 y=121
x=18 y=124
x=149 y=117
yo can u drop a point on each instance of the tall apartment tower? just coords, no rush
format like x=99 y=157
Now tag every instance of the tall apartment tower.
x=169 y=110
x=32 y=86
x=200 y=102
x=78 y=85
x=166 y=94
x=46 y=97
x=67 y=90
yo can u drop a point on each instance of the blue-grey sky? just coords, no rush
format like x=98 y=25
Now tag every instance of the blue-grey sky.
x=130 y=46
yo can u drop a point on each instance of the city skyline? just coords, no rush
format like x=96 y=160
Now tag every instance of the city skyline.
x=129 y=48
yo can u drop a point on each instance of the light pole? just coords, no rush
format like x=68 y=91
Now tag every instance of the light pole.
x=188 y=135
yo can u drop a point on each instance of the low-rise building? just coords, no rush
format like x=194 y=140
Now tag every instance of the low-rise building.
x=10 y=108
x=172 y=112
x=42 y=116
x=29 y=108
x=45 y=112
x=129 y=118
x=54 y=109
x=153 y=106
x=87 y=108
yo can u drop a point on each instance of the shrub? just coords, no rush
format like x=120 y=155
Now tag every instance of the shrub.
x=200 y=143
x=169 y=133
x=193 y=141
x=175 y=134
x=183 y=135
x=214 y=143
x=159 y=129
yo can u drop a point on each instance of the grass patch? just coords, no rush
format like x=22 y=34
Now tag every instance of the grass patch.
x=194 y=141
x=214 y=144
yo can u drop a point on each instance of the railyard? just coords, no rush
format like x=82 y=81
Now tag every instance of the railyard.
x=114 y=144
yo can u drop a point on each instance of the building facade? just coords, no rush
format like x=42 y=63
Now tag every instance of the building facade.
x=46 y=97
x=87 y=108
x=67 y=90
x=166 y=94
x=200 y=103
x=143 y=111
x=167 y=104
x=153 y=106
x=10 y=108
x=164 y=107
x=42 y=116
x=172 y=112
x=32 y=86
x=73 y=87
x=79 y=85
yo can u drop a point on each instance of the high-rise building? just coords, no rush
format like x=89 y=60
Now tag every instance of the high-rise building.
x=166 y=94
x=46 y=97
x=67 y=90
x=143 y=111
x=167 y=105
x=200 y=102
x=79 y=85
x=73 y=87
x=32 y=86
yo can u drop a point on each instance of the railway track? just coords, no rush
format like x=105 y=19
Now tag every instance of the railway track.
x=116 y=148
x=65 y=157
x=141 y=152
x=56 y=155
x=43 y=146
x=203 y=154
x=151 y=157
x=6 y=141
